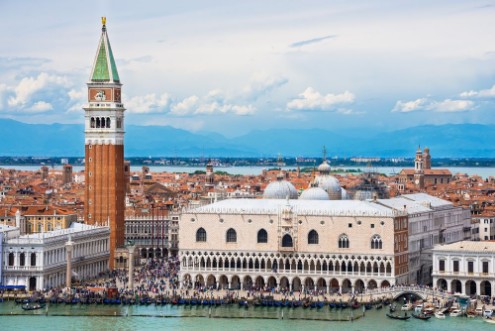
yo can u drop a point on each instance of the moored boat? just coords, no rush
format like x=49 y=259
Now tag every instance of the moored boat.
x=32 y=306
x=440 y=315
x=422 y=316
x=455 y=313
x=398 y=317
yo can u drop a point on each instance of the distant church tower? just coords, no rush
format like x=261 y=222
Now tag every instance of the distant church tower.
x=104 y=140
x=427 y=158
x=210 y=175
x=419 y=178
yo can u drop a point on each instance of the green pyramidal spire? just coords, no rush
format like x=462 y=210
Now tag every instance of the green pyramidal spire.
x=104 y=68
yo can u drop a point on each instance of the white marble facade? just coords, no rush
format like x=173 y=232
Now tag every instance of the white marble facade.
x=38 y=261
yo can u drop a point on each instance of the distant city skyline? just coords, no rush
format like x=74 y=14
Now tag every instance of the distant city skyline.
x=231 y=67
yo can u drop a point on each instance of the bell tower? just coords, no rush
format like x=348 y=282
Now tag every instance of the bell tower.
x=419 y=178
x=104 y=146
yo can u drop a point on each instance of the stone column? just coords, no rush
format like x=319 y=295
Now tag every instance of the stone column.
x=131 y=266
x=69 y=245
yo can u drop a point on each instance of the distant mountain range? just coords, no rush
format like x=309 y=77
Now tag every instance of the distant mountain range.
x=451 y=140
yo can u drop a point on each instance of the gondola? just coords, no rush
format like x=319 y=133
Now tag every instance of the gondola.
x=355 y=305
x=422 y=316
x=397 y=317
x=32 y=306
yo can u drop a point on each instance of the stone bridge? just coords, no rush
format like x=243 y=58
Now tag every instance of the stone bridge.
x=395 y=292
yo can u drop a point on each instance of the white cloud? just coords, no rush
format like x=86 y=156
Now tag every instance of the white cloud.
x=77 y=98
x=409 y=106
x=186 y=106
x=215 y=102
x=311 y=99
x=448 y=105
x=262 y=84
x=445 y=106
x=40 y=107
x=150 y=103
x=77 y=95
x=487 y=93
x=3 y=90
x=29 y=86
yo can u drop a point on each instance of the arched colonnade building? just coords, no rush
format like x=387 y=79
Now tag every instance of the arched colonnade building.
x=293 y=244
x=465 y=267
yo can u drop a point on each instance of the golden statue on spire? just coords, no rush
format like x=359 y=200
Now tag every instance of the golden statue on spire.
x=103 y=20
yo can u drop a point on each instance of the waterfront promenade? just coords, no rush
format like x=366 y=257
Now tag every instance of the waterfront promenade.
x=157 y=282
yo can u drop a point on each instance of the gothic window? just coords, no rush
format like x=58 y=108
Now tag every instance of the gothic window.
x=22 y=259
x=33 y=259
x=262 y=236
x=201 y=235
x=11 y=259
x=313 y=237
x=343 y=241
x=98 y=125
x=231 y=236
x=287 y=241
x=92 y=122
x=108 y=122
x=103 y=125
x=376 y=242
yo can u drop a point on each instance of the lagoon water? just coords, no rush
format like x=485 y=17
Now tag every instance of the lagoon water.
x=484 y=172
x=97 y=317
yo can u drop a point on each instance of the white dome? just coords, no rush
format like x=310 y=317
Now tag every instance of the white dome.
x=324 y=168
x=280 y=189
x=331 y=185
x=314 y=193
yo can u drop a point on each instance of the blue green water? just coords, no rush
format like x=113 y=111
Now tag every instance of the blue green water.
x=92 y=317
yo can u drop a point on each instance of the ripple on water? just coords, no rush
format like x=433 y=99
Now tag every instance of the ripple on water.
x=93 y=317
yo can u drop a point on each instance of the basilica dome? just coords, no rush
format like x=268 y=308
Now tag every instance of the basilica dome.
x=314 y=193
x=324 y=168
x=280 y=189
x=328 y=182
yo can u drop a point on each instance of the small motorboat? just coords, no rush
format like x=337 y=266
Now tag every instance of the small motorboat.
x=455 y=313
x=489 y=320
x=398 y=317
x=429 y=311
x=440 y=315
x=422 y=316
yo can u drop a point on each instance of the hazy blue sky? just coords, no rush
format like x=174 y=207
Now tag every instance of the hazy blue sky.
x=234 y=66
